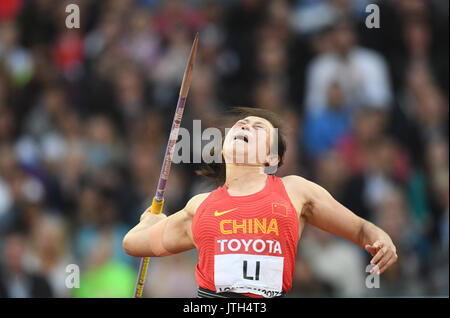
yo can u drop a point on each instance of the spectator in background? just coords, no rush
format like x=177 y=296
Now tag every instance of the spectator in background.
x=166 y=74
x=15 y=280
x=104 y=276
x=423 y=103
x=306 y=283
x=392 y=212
x=421 y=115
x=362 y=73
x=104 y=38
x=331 y=173
x=132 y=96
x=324 y=127
x=345 y=275
x=173 y=277
x=416 y=29
x=385 y=165
x=99 y=220
x=102 y=146
x=272 y=63
x=369 y=125
x=41 y=126
x=27 y=189
x=17 y=60
x=142 y=43
x=9 y=9
x=50 y=253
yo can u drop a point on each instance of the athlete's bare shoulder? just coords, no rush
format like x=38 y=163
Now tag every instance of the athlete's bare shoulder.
x=295 y=183
x=299 y=184
x=299 y=189
x=305 y=191
x=195 y=202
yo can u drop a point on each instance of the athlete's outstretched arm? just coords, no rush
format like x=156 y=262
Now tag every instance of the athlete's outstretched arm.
x=158 y=235
x=320 y=209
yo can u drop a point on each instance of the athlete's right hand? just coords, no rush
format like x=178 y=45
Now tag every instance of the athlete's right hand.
x=150 y=217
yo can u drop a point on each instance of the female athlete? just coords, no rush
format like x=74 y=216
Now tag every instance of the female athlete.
x=247 y=230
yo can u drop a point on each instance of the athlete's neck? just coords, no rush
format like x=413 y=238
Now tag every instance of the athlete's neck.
x=243 y=179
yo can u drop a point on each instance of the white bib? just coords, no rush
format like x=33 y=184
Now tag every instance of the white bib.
x=248 y=273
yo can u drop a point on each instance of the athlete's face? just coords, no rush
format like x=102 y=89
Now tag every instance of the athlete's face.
x=248 y=142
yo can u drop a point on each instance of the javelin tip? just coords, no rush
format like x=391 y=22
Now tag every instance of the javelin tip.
x=189 y=67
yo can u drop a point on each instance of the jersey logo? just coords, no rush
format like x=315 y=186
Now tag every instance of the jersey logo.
x=217 y=213
x=280 y=209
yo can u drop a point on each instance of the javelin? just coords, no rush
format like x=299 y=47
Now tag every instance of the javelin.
x=158 y=199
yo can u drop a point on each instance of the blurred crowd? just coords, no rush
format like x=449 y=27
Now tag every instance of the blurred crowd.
x=85 y=115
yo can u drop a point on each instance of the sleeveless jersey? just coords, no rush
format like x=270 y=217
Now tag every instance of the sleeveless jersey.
x=247 y=244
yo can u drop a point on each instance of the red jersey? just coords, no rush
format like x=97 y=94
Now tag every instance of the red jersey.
x=247 y=244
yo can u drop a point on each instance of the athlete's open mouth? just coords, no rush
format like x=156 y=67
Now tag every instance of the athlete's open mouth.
x=244 y=138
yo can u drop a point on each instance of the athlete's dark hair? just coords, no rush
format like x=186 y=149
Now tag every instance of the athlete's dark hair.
x=216 y=170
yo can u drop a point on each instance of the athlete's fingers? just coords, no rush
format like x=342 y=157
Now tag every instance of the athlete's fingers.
x=373 y=248
x=377 y=244
x=374 y=269
x=391 y=261
x=144 y=214
x=378 y=256
x=370 y=249
x=386 y=256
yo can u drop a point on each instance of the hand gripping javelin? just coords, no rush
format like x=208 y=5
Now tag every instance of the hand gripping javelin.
x=158 y=199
